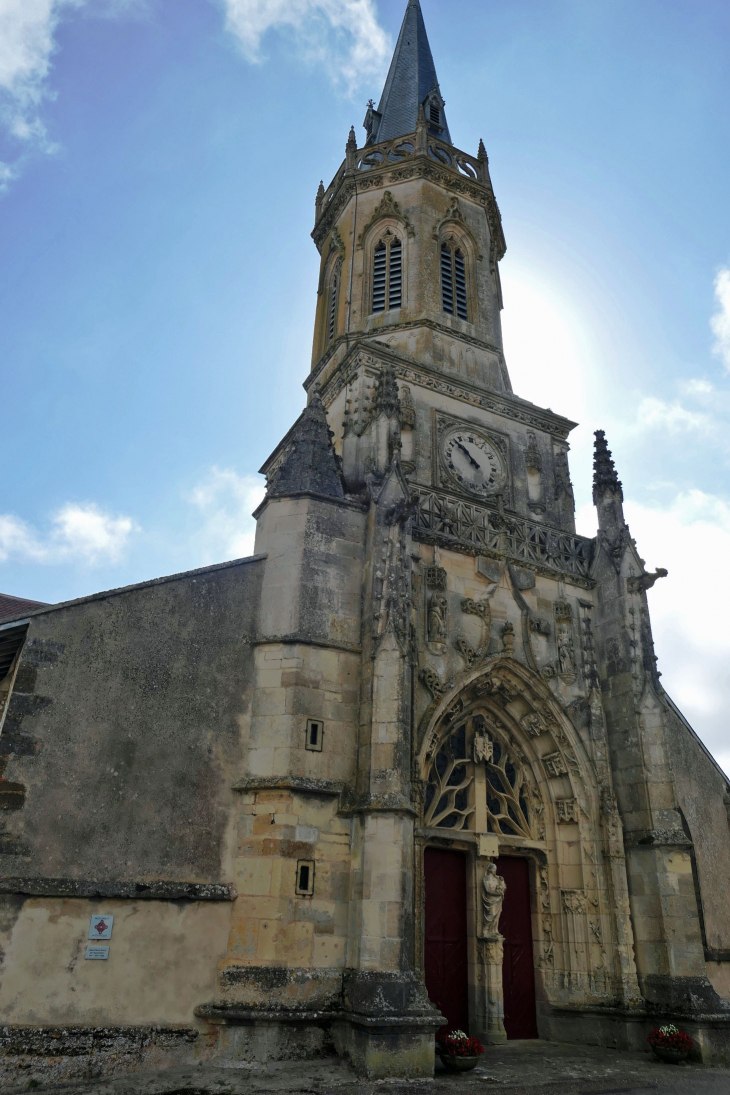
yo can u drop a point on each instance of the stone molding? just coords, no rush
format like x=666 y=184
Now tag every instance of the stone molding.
x=296 y=639
x=136 y=891
x=302 y=785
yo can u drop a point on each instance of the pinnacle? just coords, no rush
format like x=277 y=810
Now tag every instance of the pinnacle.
x=604 y=472
x=309 y=463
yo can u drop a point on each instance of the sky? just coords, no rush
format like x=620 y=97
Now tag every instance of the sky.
x=159 y=161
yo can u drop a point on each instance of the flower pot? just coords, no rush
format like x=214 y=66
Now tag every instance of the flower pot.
x=454 y=1063
x=671 y=1055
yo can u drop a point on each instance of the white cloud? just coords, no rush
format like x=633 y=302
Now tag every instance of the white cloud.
x=26 y=45
x=720 y=322
x=225 y=501
x=343 y=34
x=655 y=413
x=690 y=607
x=79 y=533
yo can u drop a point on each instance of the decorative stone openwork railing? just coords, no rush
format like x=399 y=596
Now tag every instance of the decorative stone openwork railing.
x=389 y=154
x=474 y=528
x=402 y=148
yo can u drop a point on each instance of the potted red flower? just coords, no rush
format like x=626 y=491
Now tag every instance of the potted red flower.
x=458 y=1052
x=671 y=1044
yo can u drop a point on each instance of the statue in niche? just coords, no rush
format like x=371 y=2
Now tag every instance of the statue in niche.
x=437 y=618
x=494 y=888
x=566 y=654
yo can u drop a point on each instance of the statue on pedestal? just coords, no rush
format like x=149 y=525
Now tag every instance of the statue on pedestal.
x=494 y=888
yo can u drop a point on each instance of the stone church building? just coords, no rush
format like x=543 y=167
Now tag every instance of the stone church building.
x=261 y=810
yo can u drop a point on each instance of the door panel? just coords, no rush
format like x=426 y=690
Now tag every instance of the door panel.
x=518 y=973
x=445 y=935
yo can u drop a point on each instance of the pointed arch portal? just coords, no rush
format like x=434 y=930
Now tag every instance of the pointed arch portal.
x=506 y=778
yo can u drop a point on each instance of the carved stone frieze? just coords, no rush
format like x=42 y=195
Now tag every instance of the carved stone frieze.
x=473 y=528
x=436 y=577
x=555 y=764
x=387 y=207
x=432 y=681
x=477 y=608
x=567 y=809
x=468 y=653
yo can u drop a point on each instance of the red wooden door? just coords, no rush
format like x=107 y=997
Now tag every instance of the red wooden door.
x=518 y=973
x=445 y=935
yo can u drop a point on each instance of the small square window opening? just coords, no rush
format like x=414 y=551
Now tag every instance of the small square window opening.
x=305 y=877
x=315 y=733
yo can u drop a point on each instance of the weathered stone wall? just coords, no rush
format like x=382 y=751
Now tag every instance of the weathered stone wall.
x=124 y=730
x=701 y=790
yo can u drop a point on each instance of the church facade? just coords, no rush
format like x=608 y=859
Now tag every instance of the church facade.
x=410 y=764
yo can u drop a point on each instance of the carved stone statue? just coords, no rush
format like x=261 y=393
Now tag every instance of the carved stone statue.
x=494 y=888
x=566 y=656
x=437 y=618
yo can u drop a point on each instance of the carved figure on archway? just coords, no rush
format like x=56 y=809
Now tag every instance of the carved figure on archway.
x=437 y=618
x=494 y=888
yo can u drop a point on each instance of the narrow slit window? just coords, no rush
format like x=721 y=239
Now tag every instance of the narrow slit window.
x=453 y=281
x=387 y=274
x=332 y=321
x=315 y=733
x=305 y=877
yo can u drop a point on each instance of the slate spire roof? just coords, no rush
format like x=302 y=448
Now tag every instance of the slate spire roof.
x=310 y=463
x=411 y=80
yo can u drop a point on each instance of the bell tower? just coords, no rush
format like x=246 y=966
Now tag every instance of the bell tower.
x=410 y=238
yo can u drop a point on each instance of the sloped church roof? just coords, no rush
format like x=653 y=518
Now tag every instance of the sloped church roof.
x=411 y=77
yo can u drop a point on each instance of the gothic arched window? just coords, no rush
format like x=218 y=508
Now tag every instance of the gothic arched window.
x=387 y=274
x=453 y=280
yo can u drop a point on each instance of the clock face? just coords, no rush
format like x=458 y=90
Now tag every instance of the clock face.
x=473 y=461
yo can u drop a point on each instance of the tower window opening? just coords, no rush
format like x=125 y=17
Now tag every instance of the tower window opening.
x=387 y=275
x=332 y=322
x=453 y=281
x=435 y=113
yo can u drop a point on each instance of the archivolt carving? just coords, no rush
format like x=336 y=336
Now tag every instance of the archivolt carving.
x=528 y=752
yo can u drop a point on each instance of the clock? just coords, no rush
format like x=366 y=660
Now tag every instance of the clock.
x=473 y=461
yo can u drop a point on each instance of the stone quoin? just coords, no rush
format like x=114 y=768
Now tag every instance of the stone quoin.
x=286 y=777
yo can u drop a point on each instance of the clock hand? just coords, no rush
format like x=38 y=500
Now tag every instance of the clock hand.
x=468 y=454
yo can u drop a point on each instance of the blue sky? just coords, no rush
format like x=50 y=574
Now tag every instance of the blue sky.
x=157 y=279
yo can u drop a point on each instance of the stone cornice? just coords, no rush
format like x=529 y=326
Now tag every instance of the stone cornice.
x=501 y=403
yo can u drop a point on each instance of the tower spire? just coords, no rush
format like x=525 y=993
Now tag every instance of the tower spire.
x=411 y=84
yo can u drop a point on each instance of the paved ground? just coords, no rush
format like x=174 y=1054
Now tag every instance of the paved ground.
x=520 y=1068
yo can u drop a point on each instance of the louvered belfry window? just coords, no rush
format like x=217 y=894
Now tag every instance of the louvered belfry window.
x=387 y=274
x=453 y=281
x=332 y=318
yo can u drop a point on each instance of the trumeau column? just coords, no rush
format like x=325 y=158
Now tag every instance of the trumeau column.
x=664 y=912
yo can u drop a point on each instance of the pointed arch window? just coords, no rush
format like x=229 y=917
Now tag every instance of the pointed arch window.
x=387 y=274
x=453 y=280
